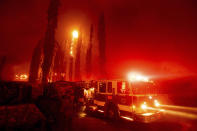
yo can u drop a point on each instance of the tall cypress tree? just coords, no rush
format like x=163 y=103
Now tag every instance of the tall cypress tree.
x=35 y=62
x=102 y=46
x=49 y=41
x=89 y=55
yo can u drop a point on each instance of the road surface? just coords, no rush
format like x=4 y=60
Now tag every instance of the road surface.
x=84 y=122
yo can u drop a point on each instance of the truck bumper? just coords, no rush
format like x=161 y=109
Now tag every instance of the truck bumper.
x=148 y=117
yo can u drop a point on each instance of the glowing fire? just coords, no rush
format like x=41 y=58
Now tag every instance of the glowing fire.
x=71 y=52
x=75 y=34
x=21 y=77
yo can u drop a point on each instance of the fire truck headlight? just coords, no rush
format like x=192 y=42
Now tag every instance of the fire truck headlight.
x=157 y=104
x=144 y=106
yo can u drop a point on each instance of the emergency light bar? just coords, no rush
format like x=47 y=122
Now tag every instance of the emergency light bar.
x=137 y=77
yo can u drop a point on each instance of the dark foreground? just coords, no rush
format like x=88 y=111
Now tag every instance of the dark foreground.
x=25 y=109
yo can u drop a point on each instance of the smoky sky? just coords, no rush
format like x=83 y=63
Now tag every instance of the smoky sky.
x=147 y=36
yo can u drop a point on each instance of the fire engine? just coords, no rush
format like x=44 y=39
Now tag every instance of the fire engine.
x=134 y=100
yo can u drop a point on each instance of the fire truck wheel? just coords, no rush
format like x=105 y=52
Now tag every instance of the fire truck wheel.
x=112 y=113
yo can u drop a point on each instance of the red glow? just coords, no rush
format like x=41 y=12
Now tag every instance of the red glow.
x=151 y=37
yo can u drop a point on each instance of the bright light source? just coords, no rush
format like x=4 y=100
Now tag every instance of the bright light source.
x=75 y=34
x=147 y=114
x=144 y=106
x=71 y=52
x=137 y=77
x=156 y=103
x=92 y=89
x=150 y=97
x=25 y=76
x=127 y=118
x=100 y=111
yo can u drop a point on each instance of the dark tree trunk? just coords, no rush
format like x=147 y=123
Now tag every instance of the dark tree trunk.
x=102 y=46
x=49 y=42
x=89 y=55
x=35 y=62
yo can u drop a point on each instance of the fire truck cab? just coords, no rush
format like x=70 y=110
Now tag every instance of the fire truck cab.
x=135 y=101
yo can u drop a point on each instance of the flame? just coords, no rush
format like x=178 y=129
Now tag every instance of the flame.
x=21 y=77
x=75 y=34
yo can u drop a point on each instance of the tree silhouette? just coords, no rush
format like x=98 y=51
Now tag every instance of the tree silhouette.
x=102 y=46
x=49 y=41
x=36 y=62
x=89 y=55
